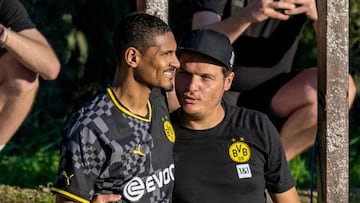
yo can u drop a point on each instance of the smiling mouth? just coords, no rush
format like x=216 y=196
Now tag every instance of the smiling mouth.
x=169 y=72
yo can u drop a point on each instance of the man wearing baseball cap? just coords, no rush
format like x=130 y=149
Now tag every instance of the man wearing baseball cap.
x=222 y=153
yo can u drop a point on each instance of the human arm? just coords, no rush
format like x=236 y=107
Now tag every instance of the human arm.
x=104 y=198
x=290 y=196
x=31 y=48
x=236 y=24
x=77 y=171
x=61 y=199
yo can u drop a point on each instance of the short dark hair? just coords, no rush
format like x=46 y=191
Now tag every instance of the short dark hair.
x=137 y=30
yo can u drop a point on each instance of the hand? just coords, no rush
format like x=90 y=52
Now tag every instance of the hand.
x=304 y=6
x=105 y=198
x=260 y=10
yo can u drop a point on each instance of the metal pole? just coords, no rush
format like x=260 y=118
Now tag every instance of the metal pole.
x=157 y=8
x=333 y=135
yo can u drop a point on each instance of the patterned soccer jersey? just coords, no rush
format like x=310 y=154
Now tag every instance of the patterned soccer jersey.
x=107 y=149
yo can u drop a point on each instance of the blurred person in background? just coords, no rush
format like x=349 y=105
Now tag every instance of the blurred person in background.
x=265 y=36
x=27 y=55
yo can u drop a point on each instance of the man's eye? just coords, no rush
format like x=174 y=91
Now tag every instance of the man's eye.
x=206 y=77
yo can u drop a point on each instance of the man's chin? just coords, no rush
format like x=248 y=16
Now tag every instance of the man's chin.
x=193 y=113
x=168 y=88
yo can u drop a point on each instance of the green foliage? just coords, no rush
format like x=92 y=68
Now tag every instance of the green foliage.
x=354 y=29
x=300 y=170
x=10 y=194
x=354 y=157
x=28 y=170
x=31 y=158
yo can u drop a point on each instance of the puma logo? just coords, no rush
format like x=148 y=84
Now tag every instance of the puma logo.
x=67 y=177
x=138 y=151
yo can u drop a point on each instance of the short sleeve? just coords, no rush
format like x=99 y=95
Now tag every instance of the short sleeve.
x=82 y=159
x=13 y=15
x=277 y=172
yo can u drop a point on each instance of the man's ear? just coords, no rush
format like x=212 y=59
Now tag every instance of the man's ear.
x=132 y=57
x=228 y=81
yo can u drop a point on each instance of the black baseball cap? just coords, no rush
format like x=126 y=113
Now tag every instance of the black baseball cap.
x=209 y=43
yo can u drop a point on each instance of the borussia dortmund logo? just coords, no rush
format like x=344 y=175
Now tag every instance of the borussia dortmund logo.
x=239 y=152
x=169 y=131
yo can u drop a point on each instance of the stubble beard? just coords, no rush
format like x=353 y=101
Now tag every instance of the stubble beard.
x=168 y=88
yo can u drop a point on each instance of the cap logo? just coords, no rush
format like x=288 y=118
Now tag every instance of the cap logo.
x=232 y=59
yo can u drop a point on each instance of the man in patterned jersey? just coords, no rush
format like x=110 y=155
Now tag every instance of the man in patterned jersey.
x=222 y=153
x=120 y=143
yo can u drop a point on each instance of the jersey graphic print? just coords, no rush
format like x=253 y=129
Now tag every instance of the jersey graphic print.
x=136 y=188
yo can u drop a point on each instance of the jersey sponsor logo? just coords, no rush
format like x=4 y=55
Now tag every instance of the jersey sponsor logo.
x=138 y=151
x=239 y=152
x=243 y=171
x=136 y=188
x=67 y=177
x=169 y=131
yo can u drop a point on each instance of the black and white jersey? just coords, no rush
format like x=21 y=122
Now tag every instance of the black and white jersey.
x=107 y=149
x=234 y=161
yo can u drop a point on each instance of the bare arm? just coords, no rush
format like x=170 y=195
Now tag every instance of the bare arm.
x=32 y=49
x=61 y=199
x=290 y=196
x=235 y=25
x=97 y=199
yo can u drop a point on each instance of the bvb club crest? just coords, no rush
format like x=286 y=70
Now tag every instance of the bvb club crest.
x=239 y=152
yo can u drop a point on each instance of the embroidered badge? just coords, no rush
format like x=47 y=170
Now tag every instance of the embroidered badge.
x=169 y=131
x=239 y=152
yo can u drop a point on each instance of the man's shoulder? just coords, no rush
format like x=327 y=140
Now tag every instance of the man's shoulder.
x=94 y=106
x=248 y=118
x=243 y=112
